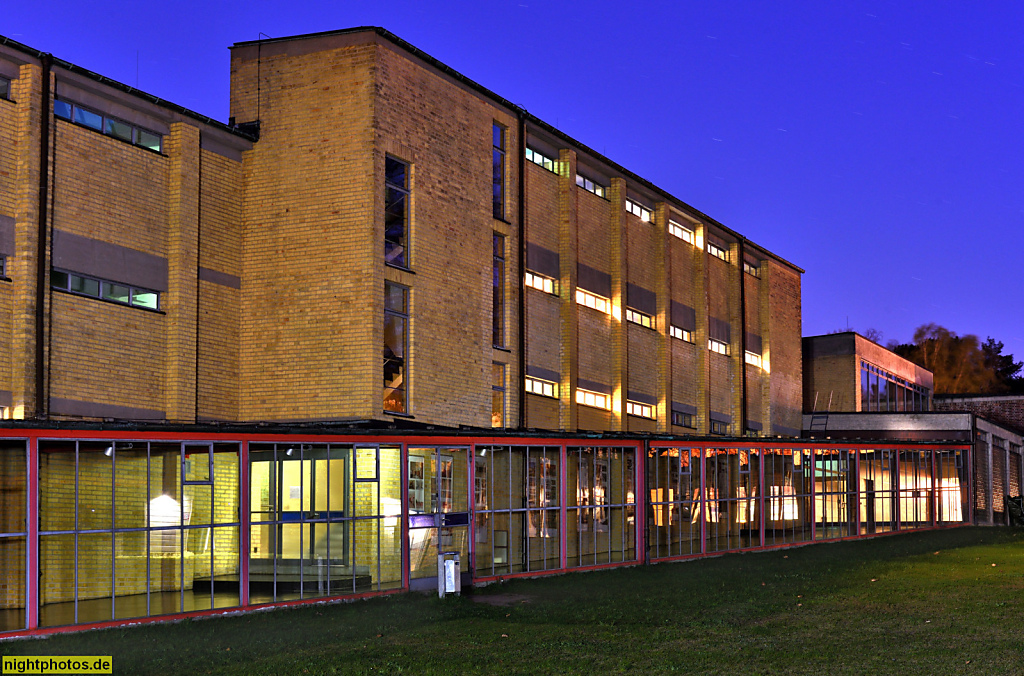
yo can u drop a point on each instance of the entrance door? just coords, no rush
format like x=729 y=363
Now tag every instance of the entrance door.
x=297 y=494
x=438 y=504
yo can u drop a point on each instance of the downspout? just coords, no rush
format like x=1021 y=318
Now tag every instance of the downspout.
x=41 y=258
x=521 y=198
x=743 y=340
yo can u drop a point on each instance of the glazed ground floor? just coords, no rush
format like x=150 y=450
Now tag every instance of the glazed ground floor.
x=106 y=526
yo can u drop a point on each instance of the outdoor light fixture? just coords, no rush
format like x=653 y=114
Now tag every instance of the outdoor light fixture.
x=109 y=451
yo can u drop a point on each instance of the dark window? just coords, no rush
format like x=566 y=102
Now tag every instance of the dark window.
x=3 y=266
x=865 y=388
x=110 y=126
x=719 y=427
x=5 y=88
x=396 y=334
x=682 y=419
x=498 y=292
x=396 y=212
x=499 y=171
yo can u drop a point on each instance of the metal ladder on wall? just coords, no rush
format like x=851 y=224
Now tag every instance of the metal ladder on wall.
x=819 y=419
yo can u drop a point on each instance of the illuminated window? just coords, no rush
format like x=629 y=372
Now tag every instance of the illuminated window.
x=498 y=172
x=593 y=301
x=718 y=252
x=497 y=395
x=752 y=358
x=754 y=270
x=718 y=427
x=396 y=212
x=396 y=332
x=718 y=346
x=639 y=318
x=591 y=186
x=639 y=410
x=541 y=283
x=110 y=126
x=107 y=290
x=541 y=160
x=593 y=399
x=544 y=388
x=683 y=419
x=681 y=334
x=681 y=231
x=638 y=210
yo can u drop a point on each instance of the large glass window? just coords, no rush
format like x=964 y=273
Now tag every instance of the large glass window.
x=111 y=126
x=396 y=212
x=787 y=496
x=835 y=493
x=915 y=489
x=396 y=342
x=673 y=476
x=324 y=520
x=877 y=491
x=602 y=506
x=135 y=529
x=497 y=395
x=730 y=480
x=518 y=518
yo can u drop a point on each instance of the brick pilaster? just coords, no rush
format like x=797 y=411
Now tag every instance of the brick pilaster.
x=662 y=288
x=737 y=363
x=568 y=234
x=701 y=304
x=182 y=148
x=619 y=368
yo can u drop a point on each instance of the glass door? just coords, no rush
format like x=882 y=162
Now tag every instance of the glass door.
x=438 y=505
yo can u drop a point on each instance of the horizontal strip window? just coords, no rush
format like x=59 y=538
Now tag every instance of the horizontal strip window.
x=752 y=358
x=718 y=346
x=591 y=186
x=681 y=231
x=718 y=427
x=111 y=126
x=718 y=252
x=683 y=419
x=541 y=283
x=638 y=210
x=753 y=270
x=544 y=388
x=542 y=160
x=3 y=267
x=593 y=399
x=640 y=410
x=105 y=289
x=639 y=318
x=593 y=301
x=681 y=334
x=5 y=88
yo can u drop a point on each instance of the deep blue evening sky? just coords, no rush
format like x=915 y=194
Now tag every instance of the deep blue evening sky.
x=875 y=144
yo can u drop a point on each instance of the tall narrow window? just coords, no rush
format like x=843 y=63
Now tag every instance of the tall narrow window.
x=499 y=171
x=396 y=341
x=498 y=292
x=396 y=212
x=497 y=395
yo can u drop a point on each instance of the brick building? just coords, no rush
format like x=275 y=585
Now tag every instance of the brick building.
x=846 y=372
x=170 y=267
x=1006 y=409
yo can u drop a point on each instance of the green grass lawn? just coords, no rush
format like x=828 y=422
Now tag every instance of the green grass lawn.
x=946 y=602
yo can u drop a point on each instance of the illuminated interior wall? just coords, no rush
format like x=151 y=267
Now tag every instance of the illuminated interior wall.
x=601 y=507
x=673 y=483
x=13 y=525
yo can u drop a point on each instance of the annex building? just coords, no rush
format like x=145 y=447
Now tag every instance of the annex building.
x=379 y=316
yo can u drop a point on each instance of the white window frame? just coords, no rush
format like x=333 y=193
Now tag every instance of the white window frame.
x=591 y=186
x=541 y=160
x=752 y=358
x=638 y=210
x=718 y=252
x=639 y=409
x=593 y=399
x=541 y=387
x=718 y=346
x=541 y=283
x=677 y=229
x=641 y=318
x=593 y=301
x=682 y=334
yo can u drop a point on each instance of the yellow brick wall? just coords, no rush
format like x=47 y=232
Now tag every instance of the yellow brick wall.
x=785 y=346
x=9 y=140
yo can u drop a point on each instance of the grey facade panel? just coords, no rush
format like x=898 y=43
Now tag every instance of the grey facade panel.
x=721 y=417
x=754 y=343
x=593 y=386
x=593 y=280
x=90 y=409
x=6 y=398
x=6 y=235
x=683 y=408
x=108 y=261
x=639 y=298
x=684 y=316
x=544 y=261
x=642 y=398
x=719 y=329
x=543 y=373
x=222 y=278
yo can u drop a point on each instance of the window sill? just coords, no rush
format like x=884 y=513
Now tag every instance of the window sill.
x=6 y=279
x=400 y=415
x=501 y=220
x=110 y=302
x=502 y=349
x=399 y=267
x=110 y=136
